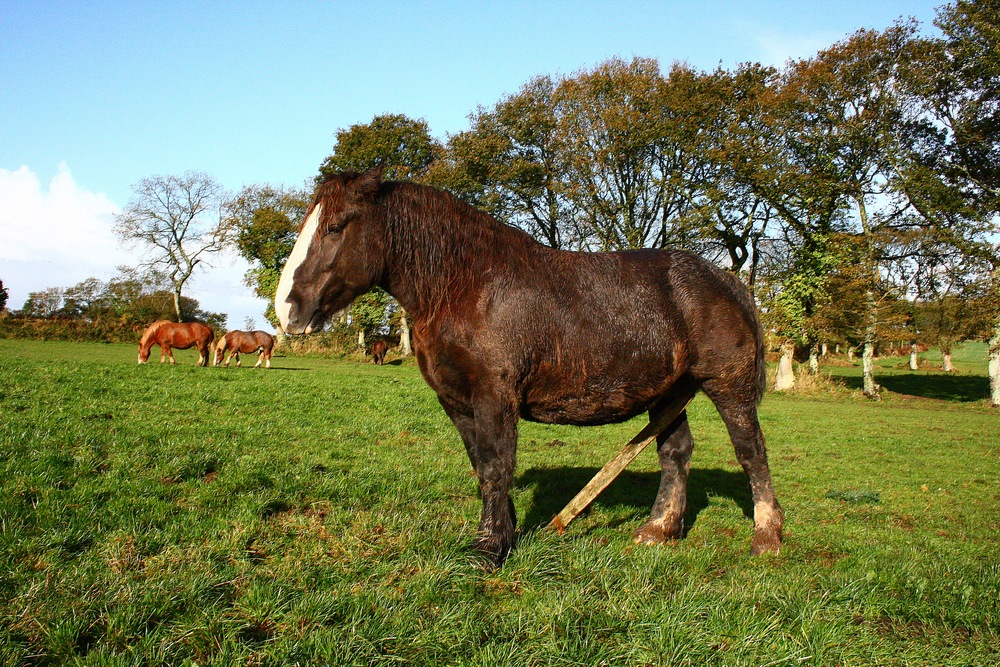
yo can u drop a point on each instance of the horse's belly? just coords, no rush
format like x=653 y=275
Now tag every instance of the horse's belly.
x=591 y=404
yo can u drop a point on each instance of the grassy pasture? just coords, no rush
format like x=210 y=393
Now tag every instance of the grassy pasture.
x=321 y=512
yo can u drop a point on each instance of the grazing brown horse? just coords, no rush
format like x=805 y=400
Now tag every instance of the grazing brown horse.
x=379 y=349
x=246 y=342
x=507 y=329
x=180 y=335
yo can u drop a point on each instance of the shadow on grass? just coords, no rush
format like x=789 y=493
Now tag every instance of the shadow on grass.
x=961 y=388
x=555 y=487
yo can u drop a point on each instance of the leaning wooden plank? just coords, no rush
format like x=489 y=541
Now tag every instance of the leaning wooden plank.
x=613 y=468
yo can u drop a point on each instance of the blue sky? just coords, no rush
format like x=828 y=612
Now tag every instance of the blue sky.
x=95 y=96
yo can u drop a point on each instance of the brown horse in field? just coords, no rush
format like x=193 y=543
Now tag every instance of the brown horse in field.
x=180 y=335
x=246 y=342
x=507 y=329
x=379 y=349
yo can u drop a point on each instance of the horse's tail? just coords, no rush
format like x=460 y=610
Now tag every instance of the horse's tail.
x=761 y=364
x=744 y=297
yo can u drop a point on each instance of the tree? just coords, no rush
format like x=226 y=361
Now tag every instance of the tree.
x=719 y=121
x=370 y=314
x=43 y=303
x=611 y=121
x=848 y=137
x=403 y=147
x=83 y=299
x=4 y=294
x=956 y=81
x=509 y=163
x=264 y=221
x=177 y=219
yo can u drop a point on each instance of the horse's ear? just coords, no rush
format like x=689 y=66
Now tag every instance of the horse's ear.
x=369 y=183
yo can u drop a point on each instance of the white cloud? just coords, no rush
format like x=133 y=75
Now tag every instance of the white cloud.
x=64 y=223
x=63 y=234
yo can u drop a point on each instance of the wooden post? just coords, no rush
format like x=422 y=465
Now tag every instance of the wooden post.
x=613 y=468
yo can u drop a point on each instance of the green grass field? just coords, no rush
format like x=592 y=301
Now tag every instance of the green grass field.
x=321 y=513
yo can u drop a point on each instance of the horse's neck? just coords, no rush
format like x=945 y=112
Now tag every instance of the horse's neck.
x=434 y=262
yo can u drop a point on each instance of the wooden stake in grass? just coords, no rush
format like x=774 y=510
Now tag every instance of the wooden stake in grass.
x=613 y=468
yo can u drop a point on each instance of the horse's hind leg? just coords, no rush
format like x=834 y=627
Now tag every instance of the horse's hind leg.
x=260 y=359
x=666 y=520
x=740 y=416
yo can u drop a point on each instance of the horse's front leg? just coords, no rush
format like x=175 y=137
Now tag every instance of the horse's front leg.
x=490 y=439
x=496 y=453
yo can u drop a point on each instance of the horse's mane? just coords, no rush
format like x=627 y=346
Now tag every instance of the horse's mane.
x=448 y=244
x=152 y=329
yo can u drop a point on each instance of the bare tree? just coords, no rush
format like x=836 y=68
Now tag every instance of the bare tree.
x=177 y=219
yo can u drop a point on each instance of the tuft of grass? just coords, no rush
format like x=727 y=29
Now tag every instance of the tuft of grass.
x=321 y=513
x=855 y=496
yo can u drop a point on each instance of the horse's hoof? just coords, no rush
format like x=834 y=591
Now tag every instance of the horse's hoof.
x=765 y=542
x=656 y=532
x=492 y=552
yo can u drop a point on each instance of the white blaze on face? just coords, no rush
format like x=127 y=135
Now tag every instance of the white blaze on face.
x=299 y=253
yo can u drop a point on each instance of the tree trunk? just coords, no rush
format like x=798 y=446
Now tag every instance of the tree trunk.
x=946 y=362
x=404 y=334
x=850 y=354
x=361 y=338
x=785 y=379
x=823 y=350
x=814 y=360
x=995 y=366
x=177 y=304
x=871 y=389
x=914 y=362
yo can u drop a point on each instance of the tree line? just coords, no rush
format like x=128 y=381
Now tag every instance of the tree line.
x=856 y=192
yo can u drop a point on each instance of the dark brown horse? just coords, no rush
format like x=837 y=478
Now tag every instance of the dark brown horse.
x=379 y=349
x=180 y=335
x=507 y=329
x=247 y=342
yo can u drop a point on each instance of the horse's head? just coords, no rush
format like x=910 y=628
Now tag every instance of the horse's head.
x=220 y=349
x=338 y=254
x=144 y=353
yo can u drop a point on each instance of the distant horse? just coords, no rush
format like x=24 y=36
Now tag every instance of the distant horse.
x=246 y=342
x=507 y=329
x=180 y=335
x=379 y=349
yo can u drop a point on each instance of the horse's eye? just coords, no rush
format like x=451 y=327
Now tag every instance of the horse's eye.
x=333 y=230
